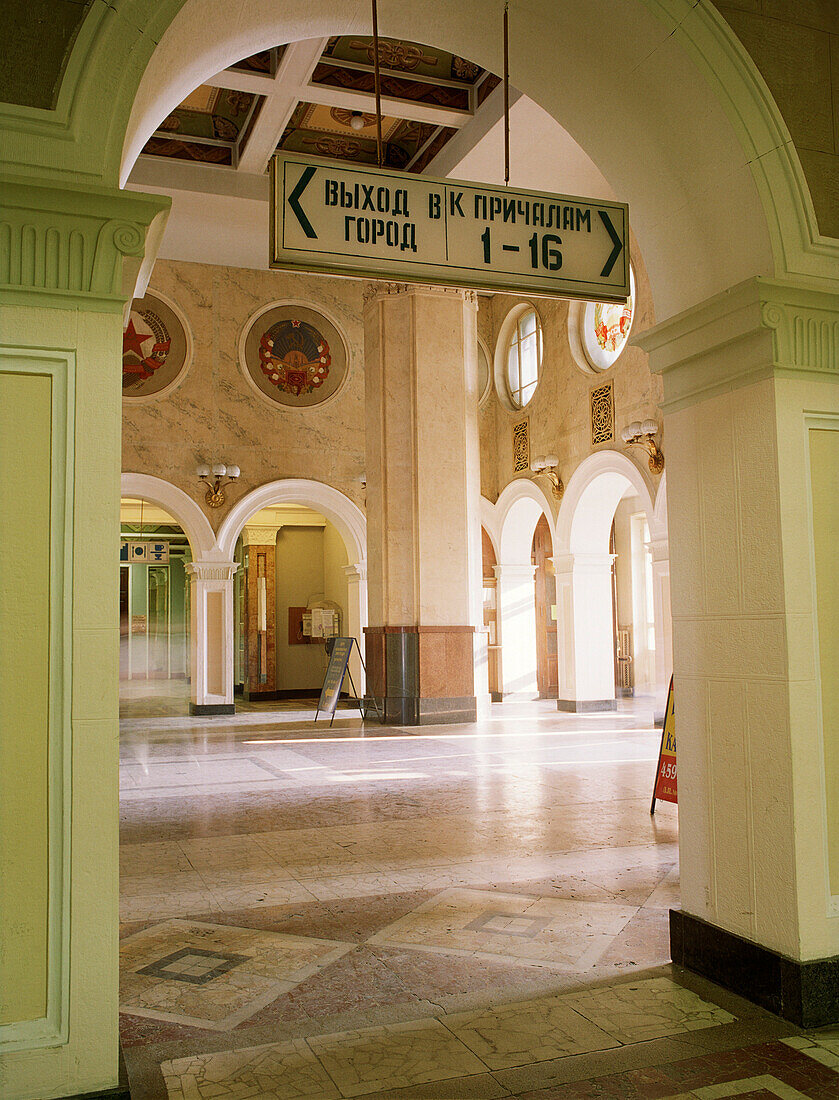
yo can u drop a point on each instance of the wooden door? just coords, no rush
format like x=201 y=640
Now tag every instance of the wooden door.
x=547 y=664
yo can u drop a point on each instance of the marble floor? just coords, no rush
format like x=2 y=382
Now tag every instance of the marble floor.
x=454 y=911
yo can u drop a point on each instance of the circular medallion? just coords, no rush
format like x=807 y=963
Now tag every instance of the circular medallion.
x=605 y=329
x=155 y=348
x=293 y=356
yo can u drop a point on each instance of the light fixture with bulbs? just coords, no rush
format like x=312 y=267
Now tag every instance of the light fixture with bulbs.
x=357 y=121
x=546 y=466
x=218 y=471
x=642 y=434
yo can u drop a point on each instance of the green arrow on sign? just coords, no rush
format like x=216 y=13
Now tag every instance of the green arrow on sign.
x=294 y=201
x=617 y=244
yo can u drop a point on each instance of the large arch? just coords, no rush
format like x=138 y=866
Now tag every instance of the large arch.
x=349 y=521
x=338 y=509
x=719 y=123
x=180 y=506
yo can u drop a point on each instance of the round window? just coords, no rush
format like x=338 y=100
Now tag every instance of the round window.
x=524 y=357
x=604 y=329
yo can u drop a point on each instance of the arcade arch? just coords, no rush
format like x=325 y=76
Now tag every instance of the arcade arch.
x=584 y=575
x=345 y=516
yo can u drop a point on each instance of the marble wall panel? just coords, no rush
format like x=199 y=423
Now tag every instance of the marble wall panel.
x=215 y=414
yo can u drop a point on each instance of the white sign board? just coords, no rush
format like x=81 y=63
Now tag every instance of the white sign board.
x=370 y=223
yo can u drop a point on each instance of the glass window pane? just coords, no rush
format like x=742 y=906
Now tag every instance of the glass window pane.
x=529 y=363
x=513 y=369
x=527 y=324
x=526 y=393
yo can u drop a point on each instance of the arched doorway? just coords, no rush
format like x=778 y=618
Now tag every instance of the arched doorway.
x=547 y=665
x=521 y=508
x=595 y=605
x=323 y=534
x=162 y=531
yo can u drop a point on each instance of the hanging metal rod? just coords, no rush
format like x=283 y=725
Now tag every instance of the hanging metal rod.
x=506 y=94
x=377 y=85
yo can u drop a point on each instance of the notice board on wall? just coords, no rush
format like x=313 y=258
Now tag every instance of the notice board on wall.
x=665 y=776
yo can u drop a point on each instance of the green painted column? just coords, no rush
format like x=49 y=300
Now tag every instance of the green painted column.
x=69 y=260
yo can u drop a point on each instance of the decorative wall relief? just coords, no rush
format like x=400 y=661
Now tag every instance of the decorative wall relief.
x=293 y=356
x=521 y=447
x=602 y=414
x=156 y=347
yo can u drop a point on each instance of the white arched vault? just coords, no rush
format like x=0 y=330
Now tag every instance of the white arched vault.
x=346 y=516
x=489 y=522
x=180 y=507
x=519 y=507
x=591 y=497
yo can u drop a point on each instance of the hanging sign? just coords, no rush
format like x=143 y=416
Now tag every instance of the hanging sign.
x=665 y=776
x=371 y=223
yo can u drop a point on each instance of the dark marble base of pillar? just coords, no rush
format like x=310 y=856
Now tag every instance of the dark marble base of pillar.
x=429 y=712
x=806 y=993
x=209 y=709
x=424 y=674
x=586 y=706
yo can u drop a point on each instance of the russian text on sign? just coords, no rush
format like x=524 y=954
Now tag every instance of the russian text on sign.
x=367 y=222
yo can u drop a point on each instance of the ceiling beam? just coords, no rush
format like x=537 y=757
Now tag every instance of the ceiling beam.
x=294 y=70
x=365 y=102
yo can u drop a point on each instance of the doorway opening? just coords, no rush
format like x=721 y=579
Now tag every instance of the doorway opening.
x=291 y=596
x=154 y=611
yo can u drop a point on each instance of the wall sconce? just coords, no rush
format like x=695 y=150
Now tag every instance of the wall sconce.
x=545 y=465
x=642 y=434
x=215 y=489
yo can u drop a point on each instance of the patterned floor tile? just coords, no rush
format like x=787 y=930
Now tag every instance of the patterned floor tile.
x=537 y=931
x=277 y=1071
x=530 y=1031
x=394 y=1056
x=213 y=976
x=633 y=1012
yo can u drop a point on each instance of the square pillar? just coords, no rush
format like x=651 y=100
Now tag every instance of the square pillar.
x=75 y=256
x=751 y=381
x=516 y=600
x=211 y=657
x=260 y=626
x=586 y=633
x=423 y=500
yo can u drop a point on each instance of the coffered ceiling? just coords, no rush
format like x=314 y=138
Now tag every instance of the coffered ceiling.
x=317 y=97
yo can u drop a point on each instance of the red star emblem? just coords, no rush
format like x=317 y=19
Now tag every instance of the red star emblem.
x=133 y=340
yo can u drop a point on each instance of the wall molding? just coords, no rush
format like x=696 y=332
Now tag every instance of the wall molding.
x=759 y=329
x=74 y=249
x=60 y=366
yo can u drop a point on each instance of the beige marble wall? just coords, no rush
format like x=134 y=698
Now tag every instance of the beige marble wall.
x=214 y=413
x=559 y=411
